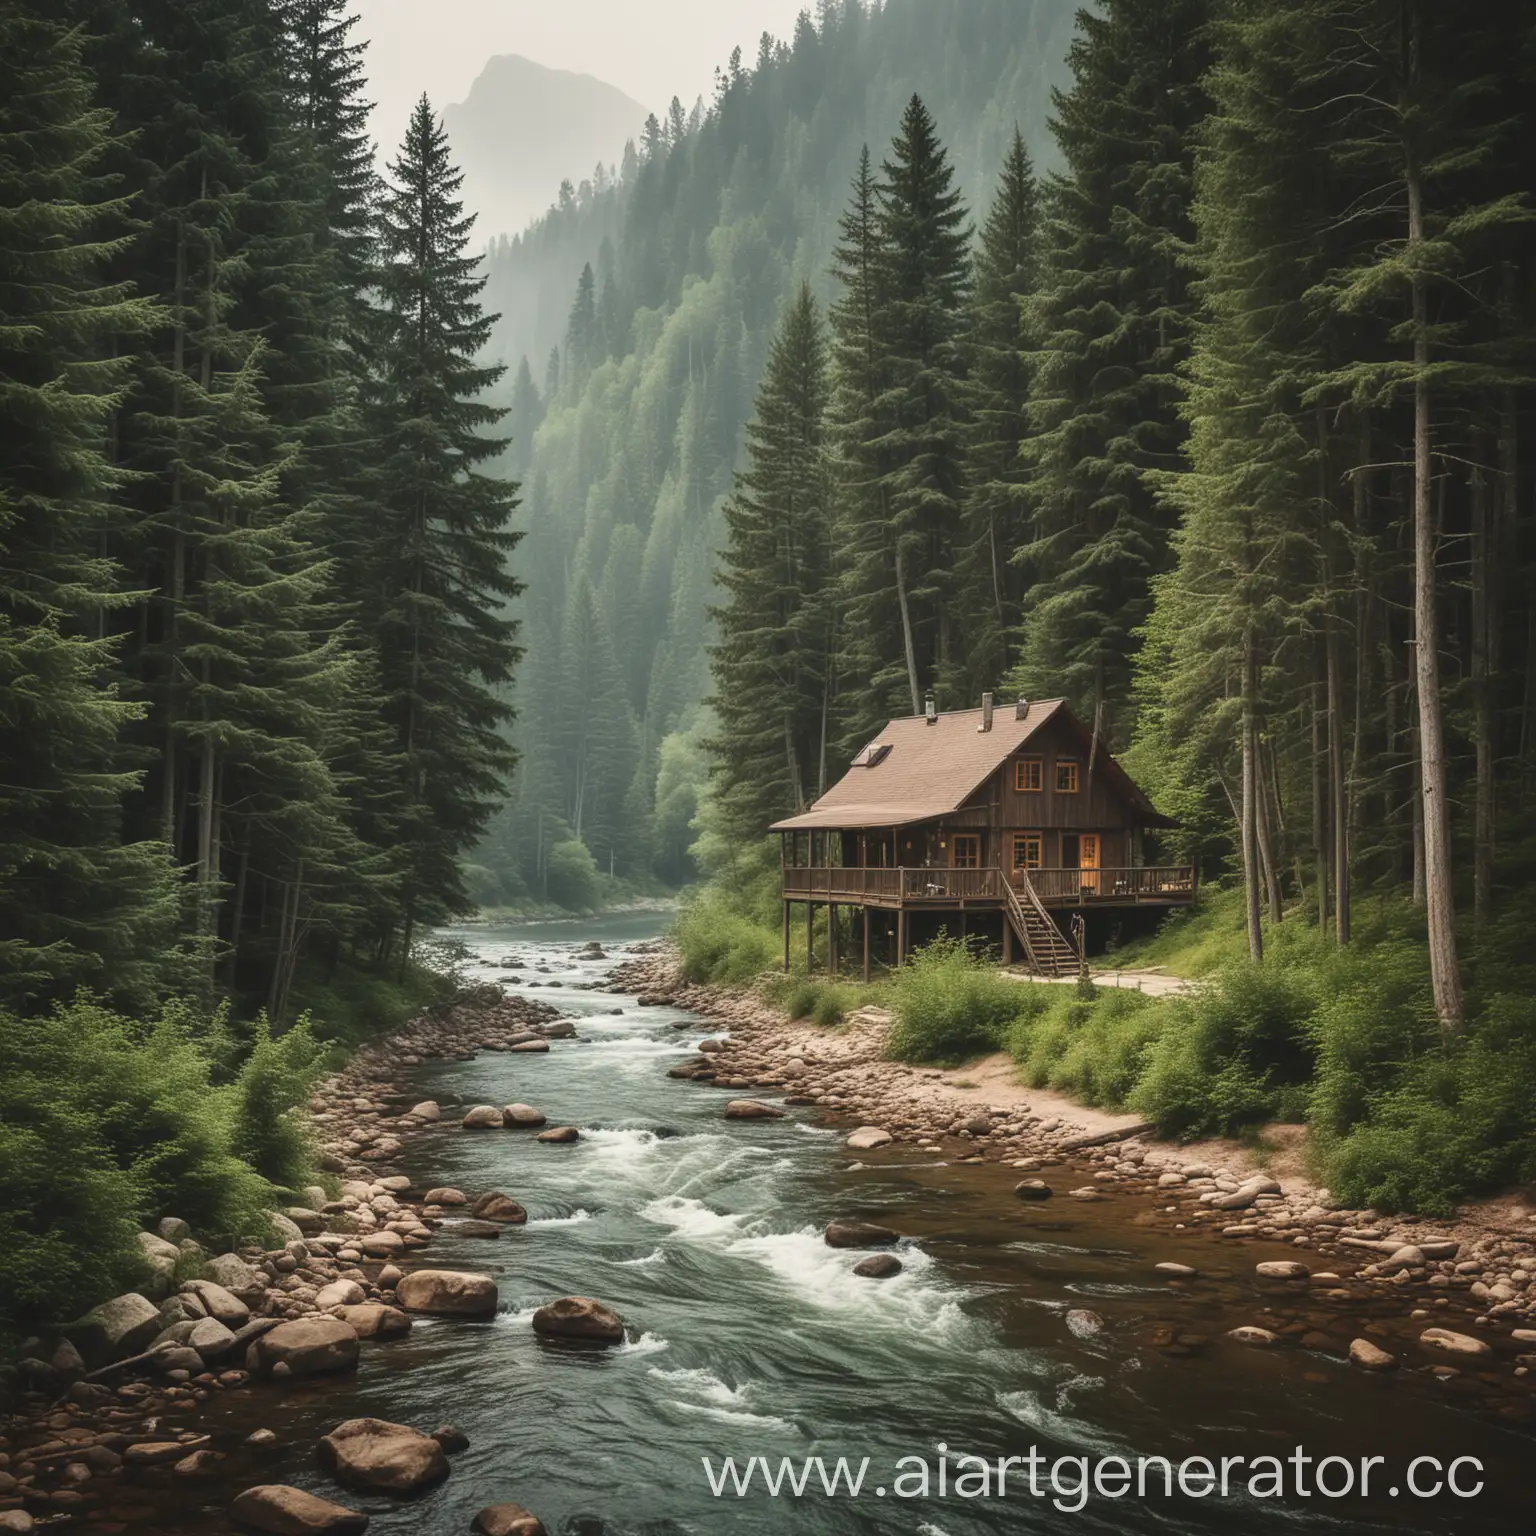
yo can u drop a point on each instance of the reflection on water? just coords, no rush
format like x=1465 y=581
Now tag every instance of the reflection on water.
x=749 y=1336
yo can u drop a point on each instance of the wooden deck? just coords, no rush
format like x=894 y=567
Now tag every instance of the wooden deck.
x=899 y=889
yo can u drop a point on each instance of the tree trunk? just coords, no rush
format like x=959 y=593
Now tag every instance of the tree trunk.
x=1339 y=792
x=1249 y=820
x=1445 y=973
x=1266 y=840
x=1484 y=559
x=1319 y=821
x=906 y=631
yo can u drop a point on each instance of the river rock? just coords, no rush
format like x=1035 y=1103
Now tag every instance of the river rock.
x=447 y=1293
x=495 y=1206
x=280 y=1510
x=1176 y=1271
x=17 y=1522
x=1083 y=1324
x=219 y=1302
x=507 y=1520
x=451 y=1438
x=878 y=1266
x=579 y=1317
x=340 y=1293
x=558 y=1135
x=306 y=1346
x=1449 y=1343
x=1281 y=1269
x=473 y=1228
x=1032 y=1189
x=374 y=1320
x=523 y=1115
x=116 y=1328
x=1255 y=1338
x=751 y=1109
x=483 y=1117
x=858 y=1234
x=445 y=1196
x=867 y=1138
x=429 y=1110
x=1370 y=1357
x=383 y=1244
x=375 y=1454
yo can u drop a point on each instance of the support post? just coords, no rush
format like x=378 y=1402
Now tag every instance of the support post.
x=810 y=937
x=901 y=937
x=866 y=943
x=785 y=905
x=832 y=955
x=1007 y=939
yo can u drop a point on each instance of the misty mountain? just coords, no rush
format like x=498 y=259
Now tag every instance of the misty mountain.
x=525 y=128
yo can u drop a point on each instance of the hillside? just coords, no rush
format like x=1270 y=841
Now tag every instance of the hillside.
x=523 y=129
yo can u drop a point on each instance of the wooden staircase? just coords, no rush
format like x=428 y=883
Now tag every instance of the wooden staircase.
x=1045 y=950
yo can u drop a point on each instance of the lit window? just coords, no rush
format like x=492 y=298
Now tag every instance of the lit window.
x=1029 y=775
x=1066 y=778
x=1027 y=850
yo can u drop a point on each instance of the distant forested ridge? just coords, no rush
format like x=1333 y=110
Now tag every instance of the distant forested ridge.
x=254 y=646
x=637 y=320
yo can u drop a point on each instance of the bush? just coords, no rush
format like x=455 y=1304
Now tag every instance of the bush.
x=1096 y=1051
x=950 y=1005
x=277 y=1076
x=722 y=945
x=573 y=879
x=819 y=999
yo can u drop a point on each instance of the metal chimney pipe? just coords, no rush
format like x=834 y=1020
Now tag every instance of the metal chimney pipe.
x=1021 y=709
x=930 y=710
x=986 y=712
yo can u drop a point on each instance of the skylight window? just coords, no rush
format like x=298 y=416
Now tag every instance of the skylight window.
x=875 y=752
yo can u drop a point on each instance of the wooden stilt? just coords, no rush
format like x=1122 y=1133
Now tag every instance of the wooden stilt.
x=1007 y=941
x=785 y=905
x=832 y=955
x=866 y=943
x=901 y=937
x=810 y=937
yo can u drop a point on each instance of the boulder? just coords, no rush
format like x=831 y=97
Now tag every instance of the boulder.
x=560 y=1133
x=1083 y=1323
x=1281 y=1269
x=867 y=1138
x=210 y=1338
x=858 y=1234
x=427 y=1110
x=310 y=1223
x=1032 y=1189
x=375 y=1454
x=1369 y=1357
x=199 y=1464
x=751 y=1109
x=17 y=1522
x=219 y=1302
x=447 y=1293
x=451 y=1438
x=878 y=1266
x=445 y=1197
x=1448 y=1343
x=286 y=1229
x=1176 y=1271
x=507 y=1520
x=579 y=1317
x=524 y=1115
x=305 y=1346
x=282 y=1511
x=373 y=1320
x=340 y=1293
x=120 y=1327
x=530 y=1047
x=238 y=1278
x=495 y=1206
x=483 y=1117
x=382 y=1245
x=475 y=1228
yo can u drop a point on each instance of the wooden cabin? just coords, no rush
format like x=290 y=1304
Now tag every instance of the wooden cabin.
x=995 y=823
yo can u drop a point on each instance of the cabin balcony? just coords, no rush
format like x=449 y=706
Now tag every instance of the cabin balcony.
x=1142 y=885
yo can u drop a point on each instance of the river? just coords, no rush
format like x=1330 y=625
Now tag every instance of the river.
x=750 y=1337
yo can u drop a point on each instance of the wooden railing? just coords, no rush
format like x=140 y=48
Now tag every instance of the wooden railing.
x=1152 y=882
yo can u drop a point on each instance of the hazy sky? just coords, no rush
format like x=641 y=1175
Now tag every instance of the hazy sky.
x=652 y=49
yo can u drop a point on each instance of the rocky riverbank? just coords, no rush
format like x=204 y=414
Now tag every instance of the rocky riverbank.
x=1462 y=1295
x=105 y=1413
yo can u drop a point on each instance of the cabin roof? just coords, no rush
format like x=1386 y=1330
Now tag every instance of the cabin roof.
x=932 y=770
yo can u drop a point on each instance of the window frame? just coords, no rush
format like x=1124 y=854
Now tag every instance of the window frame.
x=1020 y=787
x=1068 y=765
x=972 y=839
x=1038 y=839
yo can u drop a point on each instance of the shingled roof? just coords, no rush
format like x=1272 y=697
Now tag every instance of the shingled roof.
x=932 y=770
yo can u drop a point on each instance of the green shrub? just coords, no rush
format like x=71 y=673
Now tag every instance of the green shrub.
x=1095 y=1050
x=572 y=876
x=950 y=1005
x=270 y=1133
x=721 y=945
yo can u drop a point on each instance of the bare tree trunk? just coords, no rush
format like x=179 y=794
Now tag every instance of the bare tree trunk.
x=1319 y=825
x=1337 y=784
x=1445 y=973
x=1249 y=819
x=1266 y=841
x=1485 y=725
x=906 y=631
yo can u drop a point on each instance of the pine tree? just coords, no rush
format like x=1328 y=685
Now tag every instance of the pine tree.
x=995 y=520
x=446 y=648
x=772 y=663
x=78 y=906
x=1110 y=325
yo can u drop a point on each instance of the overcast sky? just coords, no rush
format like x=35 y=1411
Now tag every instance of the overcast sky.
x=652 y=49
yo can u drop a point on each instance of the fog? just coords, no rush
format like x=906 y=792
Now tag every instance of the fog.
x=651 y=51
